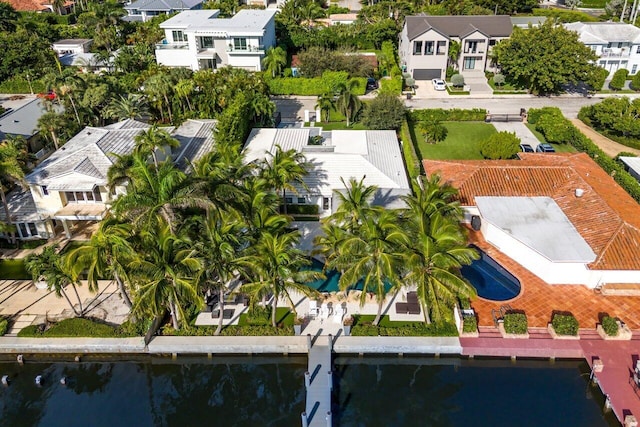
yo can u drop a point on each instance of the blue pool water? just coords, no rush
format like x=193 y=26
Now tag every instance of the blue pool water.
x=491 y=280
x=330 y=284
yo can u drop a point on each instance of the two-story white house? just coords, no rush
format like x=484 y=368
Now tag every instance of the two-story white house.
x=617 y=44
x=144 y=10
x=198 y=39
x=69 y=187
x=425 y=42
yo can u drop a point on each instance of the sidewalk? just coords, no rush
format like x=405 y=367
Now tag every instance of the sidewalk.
x=610 y=147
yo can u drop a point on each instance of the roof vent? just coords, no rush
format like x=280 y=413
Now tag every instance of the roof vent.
x=579 y=192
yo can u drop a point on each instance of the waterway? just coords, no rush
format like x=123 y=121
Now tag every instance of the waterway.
x=269 y=391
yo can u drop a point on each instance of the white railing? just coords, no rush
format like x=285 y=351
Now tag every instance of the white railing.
x=160 y=46
x=615 y=53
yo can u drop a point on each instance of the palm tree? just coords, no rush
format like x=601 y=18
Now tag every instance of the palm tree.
x=274 y=61
x=160 y=86
x=436 y=248
x=50 y=266
x=284 y=168
x=454 y=53
x=219 y=245
x=167 y=274
x=275 y=266
x=51 y=123
x=67 y=84
x=326 y=103
x=107 y=254
x=262 y=109
x=348 y=102
x=11 y=173
x=184 y=89
x=132 y=106
x=354 y=204
x=152 y=139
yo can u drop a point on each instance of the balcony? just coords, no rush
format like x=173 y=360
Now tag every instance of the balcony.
x=166 y=45
x=250 y=49
x=615 y=53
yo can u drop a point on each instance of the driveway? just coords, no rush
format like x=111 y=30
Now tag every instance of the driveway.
x=477 y=83
x=521 y=131
x=425 y=90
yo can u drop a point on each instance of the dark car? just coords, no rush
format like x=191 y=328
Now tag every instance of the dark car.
x=372 y=84
x=545 y=148
x=526 y=148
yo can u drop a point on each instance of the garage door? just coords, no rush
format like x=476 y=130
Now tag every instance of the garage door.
x=426 y=74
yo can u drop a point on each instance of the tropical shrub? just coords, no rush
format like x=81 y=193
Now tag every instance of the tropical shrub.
x=309 y=209
x=618 y=79
x=4 y=326
x=565 y=324
x=500 y=145
x=391 y=86
x=457 y=80
x=515 y=323
x=635 y=82
x=314 y=86
x=385 y=111
x=610 y=326
x=453 y=115
x=498 y=79
x=469 y=324
x=433 y=132
x=75 y=327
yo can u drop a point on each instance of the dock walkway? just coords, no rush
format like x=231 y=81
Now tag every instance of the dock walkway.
x=319 y=384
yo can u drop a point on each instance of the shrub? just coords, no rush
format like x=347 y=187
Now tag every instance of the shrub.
x=450 y=72
x=409 y=151
x=555 y=129
x=75 y=327
x=308 y=209
x=565 y=16
x=635 y=82
x=314 y=86
x=433 y=132
x=565 y=324
x=500 y=145
x=453 y=115
x=597 y=78
x=515 y=323
x=535 y=113
x=469 y=324
x=4 y=326
x=618 y=79
x=498 y=79
x=457 y=80
x=392 y=86
x=386 y=111
x=610 y=326
x=20 y=85
x=417 y=329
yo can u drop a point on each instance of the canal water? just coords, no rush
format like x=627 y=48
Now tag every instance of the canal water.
x=269 y=391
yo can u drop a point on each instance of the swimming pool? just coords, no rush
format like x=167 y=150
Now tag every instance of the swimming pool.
x=491 y=280
x=330 y=284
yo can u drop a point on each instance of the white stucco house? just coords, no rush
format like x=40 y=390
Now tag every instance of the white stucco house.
x=144 y=10
x=70 y=186
x=559 y=216
x=617 y=44
x=198 y=39
x=425 y=41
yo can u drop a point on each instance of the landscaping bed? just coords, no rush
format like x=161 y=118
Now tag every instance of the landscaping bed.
x=362 y=326
x=79 y=327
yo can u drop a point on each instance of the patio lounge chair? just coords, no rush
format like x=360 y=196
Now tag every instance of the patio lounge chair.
x=227 y=314
x=324 y=311
x=313 y=308
x=338 y=314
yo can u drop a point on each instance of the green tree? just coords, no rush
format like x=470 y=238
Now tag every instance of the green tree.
x=184 y=90
x=159 y=87
x=326 y=104
x=385 y=111
x=433 y=131
x=348 y=103
x=8 y=17
x=354 y=204
x=283 y=170
x=545 y=57
x=274 y=61
x=500 y=145
x=454 y=53
x=132 y=106
x=49 y=125
x=153 y=139
x=619 y=78
x=24 y=51
x=11 y=173
x=50 y=266
x=635 y=82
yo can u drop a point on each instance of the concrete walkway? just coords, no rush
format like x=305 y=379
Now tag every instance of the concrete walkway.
x=610 y=147
x=320 y=383
x=521 y=130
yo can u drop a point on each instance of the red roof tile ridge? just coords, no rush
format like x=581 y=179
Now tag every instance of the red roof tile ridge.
x=603 y=251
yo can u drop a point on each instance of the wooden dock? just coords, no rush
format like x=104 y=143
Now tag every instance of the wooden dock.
x=319 y=382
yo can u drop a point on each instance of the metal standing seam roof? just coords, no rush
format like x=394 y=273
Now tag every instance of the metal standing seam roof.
x=605 y=32
x=246 y=20
x=632 y=162
x=459 y=26
x=165 y=5
x=196 y=139
x=24 y=120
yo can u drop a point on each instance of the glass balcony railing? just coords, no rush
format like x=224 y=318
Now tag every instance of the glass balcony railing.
x=167 y=45
x=245 y=49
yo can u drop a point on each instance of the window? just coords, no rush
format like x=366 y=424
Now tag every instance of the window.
x=417 y=48
x=442 y=48
x=206 y=42
x=45 y=190
x=471 y=47
x=634 y=69
x=301 y=200
x=428 y=48
x=208 y=64
x=178 y=36
x=492 y=42
x=22 y=229
x=325 y=203
x=83 y=196
x=96 y=194
x=33 y=230
x=27 y=229
x=288 y=200
x=638 y=49
x=240 y=43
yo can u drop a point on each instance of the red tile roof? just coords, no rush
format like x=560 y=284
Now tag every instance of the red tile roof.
x=605 y=216
x=33 y=5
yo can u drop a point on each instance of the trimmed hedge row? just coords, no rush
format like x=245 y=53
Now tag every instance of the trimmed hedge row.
x=417 y=330
x=314 y=86
x=408 y=150
x=453 y=115
x=74 y=327
x=20 y=85
x=232 y=331
x=576 y=138
x=619 y=78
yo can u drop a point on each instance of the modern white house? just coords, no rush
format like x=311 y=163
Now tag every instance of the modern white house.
x=617 y=44
x=198 y=39
x=559 y=216
x=70 y=186
x=144 y=10
x=425 y=42
x=66 y=46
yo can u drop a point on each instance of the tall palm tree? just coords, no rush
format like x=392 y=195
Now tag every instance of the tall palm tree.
x=132 y=106
x=167 y=273
x=325 y=104
x=160 y=87
x=107 y=254
x=11 y=173
x=51 y=123
x=262 y=109
x=50 y=266
x=274 y=61
x=67 y=83
x=354 y=204
x=282 y=169
x=348 y=102
x=152 y=139
x=184 y=90
x=454 y=53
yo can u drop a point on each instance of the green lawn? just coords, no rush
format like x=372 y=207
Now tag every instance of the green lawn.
x=462 y=142
x=262 y=317
x=13 y=269
x=340 y=126
x=597 y=4
x=560 y=148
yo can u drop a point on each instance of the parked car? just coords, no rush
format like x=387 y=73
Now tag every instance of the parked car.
x=372 y=84
x=439 y=84
x=545 y=148
x=526 y=148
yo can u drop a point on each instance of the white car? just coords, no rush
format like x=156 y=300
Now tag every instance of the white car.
x=439 y=84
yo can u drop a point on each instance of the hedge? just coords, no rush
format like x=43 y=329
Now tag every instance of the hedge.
x=20 y=85
x=565 y=324
x=392 y=85
x=309 y=209
x=314 y=86
x=409 y=151
x=618 y=79
x=565 y=16
x=4 y=326
x=584 y=144
x=635 y=82
x=610 y=326
x=417 y=330
x=75 y=327
x=231 y=331
x=515 y=323
x=469 y=324
x=453 y=115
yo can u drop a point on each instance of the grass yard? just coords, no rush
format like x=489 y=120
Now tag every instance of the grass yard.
x=560 y=148
x=462 y=142
x=339 y=126
x=262 y=317
x=596 y=4
x=13 y=269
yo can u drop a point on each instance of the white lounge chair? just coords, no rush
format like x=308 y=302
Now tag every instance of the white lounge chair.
x=338 y=314
x=324 y=311
x=313 y=308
